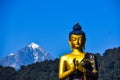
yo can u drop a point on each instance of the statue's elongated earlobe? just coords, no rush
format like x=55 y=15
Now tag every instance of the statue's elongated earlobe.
x=84 y=44
x=84 y=47
x=70 y=45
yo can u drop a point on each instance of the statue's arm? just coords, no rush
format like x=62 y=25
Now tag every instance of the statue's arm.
x=91 y=74
x=94 y=73
x=62 y=72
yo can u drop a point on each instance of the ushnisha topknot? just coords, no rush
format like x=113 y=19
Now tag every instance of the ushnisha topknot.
x=77 y=29
x=77 y=26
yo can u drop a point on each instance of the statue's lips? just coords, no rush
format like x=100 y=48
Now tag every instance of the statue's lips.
x=77 y=45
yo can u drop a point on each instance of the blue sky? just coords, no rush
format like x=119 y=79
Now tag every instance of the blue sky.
x=48 y=23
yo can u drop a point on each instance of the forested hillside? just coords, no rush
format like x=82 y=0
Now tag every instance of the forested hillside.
x=108 y=63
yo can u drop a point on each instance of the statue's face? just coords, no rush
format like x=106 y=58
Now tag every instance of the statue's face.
x=77 y=41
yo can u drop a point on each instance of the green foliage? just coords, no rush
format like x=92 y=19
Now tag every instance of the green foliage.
x=109 y=68
x=7 y=73
x=108 y=65
x=47 y=70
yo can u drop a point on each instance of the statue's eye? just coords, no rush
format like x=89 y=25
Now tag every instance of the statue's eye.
x=73 y=39
x=80 y=39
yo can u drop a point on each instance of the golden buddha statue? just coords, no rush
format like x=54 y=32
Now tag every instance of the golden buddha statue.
x=78 y=65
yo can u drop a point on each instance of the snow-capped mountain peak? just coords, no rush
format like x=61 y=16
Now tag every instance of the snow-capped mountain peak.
x=31 y=53
x=33 y=45
x=11 y=54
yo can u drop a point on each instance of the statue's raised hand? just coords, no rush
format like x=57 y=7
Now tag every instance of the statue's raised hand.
x=80 y=67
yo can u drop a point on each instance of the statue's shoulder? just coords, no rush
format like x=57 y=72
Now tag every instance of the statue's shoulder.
x=65 y=56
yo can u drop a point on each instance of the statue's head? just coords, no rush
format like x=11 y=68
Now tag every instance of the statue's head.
x=77 y=37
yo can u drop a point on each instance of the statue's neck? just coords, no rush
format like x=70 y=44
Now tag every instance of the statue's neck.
x=77 y=51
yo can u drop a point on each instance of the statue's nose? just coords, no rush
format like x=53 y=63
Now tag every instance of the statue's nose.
x=77 y=41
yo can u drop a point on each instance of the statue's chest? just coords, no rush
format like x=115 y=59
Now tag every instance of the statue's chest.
x=77 y=58
x=70 y=60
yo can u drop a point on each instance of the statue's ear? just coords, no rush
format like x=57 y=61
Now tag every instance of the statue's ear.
x=84 y=41
x=70 y=44
x=84 y=44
